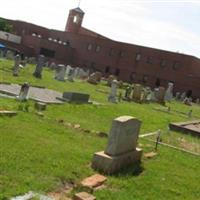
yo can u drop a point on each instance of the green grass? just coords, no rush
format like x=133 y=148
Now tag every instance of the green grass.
x=39 y=154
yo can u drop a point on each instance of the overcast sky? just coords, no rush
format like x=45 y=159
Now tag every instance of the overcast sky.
x=166 y=24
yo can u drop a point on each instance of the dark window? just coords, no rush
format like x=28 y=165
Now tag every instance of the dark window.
x=149 y=60
x=138 y=57
x=107 y=69
x=145 y=79
x=111 y=53
x=98 y=48
x=133 y=76
x=117 y=72
x=163 y=63
x=93 y=65
x=176 y=65
x=47 y=52
x=121 y=53
x=89 y=47
x=157 y=83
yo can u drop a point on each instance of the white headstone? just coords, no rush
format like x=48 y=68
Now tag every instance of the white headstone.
x=113 y=92
x=169 y=92
x=60 y=72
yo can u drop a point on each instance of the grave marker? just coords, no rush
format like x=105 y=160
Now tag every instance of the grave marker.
x=121 y=150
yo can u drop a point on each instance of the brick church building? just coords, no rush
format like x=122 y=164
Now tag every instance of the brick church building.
x=81 y=47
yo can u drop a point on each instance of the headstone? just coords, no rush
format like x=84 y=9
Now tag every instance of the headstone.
x=60 y=72
x=40 y=106
x=95 y=78
x=161 y=95
x=187 y=101
x=169 y=92
x=183 y=95
x=68 y=69
x=121 y=150
x=10 y=55
x=53 y=66
x=39 y=67
x=76 y=72
x=148 y=94
x=16 y=65
x=128 y=91
x=177 y=97
x=155 y=94
x=113 y=92
x=110 y=80
x=197 y=101
x=75 y=97
x=137 y=91
x=23 y=95
x=71 y=75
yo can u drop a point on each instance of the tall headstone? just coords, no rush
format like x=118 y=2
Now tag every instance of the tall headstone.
x=177 y=97
x=113 y=92
x=39 y=67
x=71 y=74
x=183 y=95
x=169 y=92
x=128 y=91
x=137 y=92
x=121 y=150
x=161 y=95
x=23 y=95
x=16 y=65
x=60 y=72
x=110 y=79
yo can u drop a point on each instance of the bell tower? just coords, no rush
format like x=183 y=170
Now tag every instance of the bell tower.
x=75 y=20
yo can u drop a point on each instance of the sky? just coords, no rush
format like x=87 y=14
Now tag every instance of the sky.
x=164 y=24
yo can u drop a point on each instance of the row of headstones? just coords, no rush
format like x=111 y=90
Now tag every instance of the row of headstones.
x=7 y=54
x=186 y=98
x=18 y=63
x=141 y=94
x=61 y=71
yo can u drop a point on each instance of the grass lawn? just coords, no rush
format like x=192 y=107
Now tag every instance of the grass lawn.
x=40 y=154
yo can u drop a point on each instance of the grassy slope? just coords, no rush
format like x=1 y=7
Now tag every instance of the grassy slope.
x=39 y=154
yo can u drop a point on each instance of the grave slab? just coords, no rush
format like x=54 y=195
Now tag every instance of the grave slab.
x=189 y=127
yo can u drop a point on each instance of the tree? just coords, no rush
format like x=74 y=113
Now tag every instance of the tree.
x=5 y=26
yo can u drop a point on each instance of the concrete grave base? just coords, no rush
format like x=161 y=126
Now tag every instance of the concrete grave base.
x=191 y=127
x=112 y=164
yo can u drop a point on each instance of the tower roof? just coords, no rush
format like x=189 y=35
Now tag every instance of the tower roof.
x=78 y=10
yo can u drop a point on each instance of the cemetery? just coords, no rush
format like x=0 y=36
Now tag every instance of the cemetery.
x=70 y=134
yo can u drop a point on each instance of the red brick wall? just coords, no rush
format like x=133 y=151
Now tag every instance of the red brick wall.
x=186 y=75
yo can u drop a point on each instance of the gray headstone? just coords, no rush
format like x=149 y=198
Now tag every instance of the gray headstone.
x=39 y=67
x=60 y=72
x=169 y=92
x=71 y=74
x=23 y=95
x=123 y=135
x=16 y=65
x=113 y=92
